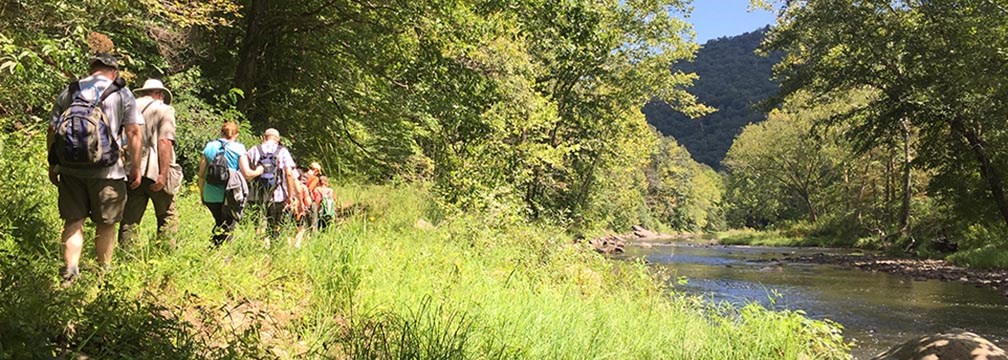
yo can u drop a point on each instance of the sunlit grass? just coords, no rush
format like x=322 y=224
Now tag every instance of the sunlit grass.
x=375 y=286
x=773 y=238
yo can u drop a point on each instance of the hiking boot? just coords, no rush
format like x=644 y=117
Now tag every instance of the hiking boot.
x=69 y=275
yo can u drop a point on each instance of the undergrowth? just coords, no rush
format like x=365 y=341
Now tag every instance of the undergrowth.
x=376 y=284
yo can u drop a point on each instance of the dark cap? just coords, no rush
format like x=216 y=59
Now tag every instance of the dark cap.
x=105 y=59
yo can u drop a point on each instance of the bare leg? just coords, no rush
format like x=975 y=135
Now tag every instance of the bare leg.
x=105 y=237
x=299 y=236
x=73 y=242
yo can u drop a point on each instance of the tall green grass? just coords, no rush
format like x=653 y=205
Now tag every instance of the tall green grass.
x=375 y=286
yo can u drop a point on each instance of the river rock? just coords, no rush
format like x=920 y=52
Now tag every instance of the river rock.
x=949 y=346
x=641 y=232
x=611 y=244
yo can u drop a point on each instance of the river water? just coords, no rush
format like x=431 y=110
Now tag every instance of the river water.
x=877 y=310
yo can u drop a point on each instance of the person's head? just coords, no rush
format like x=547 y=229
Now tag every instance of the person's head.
x=156 y=90
x=302 y=174
x=229 y=130
x=104 y=64
x=315 y=167
x=324 y=180
x=271 y=134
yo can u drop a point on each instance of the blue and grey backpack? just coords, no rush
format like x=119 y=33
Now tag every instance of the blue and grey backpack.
x=84 y=138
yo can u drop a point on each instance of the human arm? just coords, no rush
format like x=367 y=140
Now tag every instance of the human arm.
x=165 y=146
x=246 y=170
x=59 y=106
x=53 y=167
x=132 y=122
x=293 y=186
x=201 y=174
x=165 y=149
x=134 y=139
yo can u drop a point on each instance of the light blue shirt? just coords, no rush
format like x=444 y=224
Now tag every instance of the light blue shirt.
x=233 y=151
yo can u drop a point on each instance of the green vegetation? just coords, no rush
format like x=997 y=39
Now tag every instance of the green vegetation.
x=682 y=194
x=533 y=104
x=453 y=113
x=372 y=286
x=789 y=237
x=735 y=80
x=883 y=138
x=512 y=126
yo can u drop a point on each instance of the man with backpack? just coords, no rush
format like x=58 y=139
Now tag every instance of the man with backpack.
x=271 y=190
x=85 y=142
x=161 y=175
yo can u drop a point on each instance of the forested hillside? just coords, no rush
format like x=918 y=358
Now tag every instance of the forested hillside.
x=733 y=78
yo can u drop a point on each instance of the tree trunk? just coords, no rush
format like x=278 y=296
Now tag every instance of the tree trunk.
x=250 y=55
x=888 y=184
x=805 y=195
x=988 y=171
x=904 y=222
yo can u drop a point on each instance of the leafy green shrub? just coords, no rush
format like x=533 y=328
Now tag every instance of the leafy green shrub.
x=29 y=212
x=984 y=247
x=986 y=257
x=198 y=122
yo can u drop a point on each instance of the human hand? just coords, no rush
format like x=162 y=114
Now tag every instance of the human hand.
x=54 y=175
x=160 y=183
x=134 y=178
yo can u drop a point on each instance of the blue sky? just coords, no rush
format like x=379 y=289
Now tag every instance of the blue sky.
x=715 y=18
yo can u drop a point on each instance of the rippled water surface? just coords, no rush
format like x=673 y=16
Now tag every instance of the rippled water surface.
x=877 y=310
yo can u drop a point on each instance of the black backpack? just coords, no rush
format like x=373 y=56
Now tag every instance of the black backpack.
x=218 y=172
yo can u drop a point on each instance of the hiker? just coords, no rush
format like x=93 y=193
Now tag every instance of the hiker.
x=161 y=174
x=275 y=186
x=223 y=169
x=299 y=207
x=324 y=196
x=89 y=174
x=312 y=182
x=314 y=171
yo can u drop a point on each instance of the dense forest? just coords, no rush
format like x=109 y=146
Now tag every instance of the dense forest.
x=735 y=80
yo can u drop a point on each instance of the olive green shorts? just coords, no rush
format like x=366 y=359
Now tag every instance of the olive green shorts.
x=101 y=200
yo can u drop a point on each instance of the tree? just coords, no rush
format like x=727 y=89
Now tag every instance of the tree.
x=794 y=164
x=925 y=59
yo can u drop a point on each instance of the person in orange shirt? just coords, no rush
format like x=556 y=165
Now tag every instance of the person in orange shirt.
x=312 y=182
x=300 y=207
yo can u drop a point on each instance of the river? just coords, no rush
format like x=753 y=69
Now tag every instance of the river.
x=877 y=310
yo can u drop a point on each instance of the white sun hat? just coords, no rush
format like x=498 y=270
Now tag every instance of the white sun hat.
x=155 y=84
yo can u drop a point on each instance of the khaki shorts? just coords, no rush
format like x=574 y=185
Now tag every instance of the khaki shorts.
x=101 y=200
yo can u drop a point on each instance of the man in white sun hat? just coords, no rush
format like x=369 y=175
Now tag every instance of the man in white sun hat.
x=161 y=175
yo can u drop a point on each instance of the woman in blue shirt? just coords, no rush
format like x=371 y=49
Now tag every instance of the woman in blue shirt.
x=212 y=194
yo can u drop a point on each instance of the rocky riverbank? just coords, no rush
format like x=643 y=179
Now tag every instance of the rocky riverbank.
x=918 y=269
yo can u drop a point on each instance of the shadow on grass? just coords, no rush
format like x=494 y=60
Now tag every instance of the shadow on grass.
x=92 y=319
x=423 y=333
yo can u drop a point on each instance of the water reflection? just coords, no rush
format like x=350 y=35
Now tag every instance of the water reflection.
x=878 y=310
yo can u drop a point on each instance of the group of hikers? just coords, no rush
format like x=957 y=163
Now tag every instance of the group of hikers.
x=110 y=153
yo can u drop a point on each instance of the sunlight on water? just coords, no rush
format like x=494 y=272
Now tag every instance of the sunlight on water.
x=878 y=310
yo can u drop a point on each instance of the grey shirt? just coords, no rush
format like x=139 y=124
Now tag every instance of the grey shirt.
x=121 y=110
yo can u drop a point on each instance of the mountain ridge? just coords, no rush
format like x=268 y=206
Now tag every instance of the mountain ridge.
x=733 y=79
